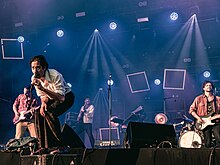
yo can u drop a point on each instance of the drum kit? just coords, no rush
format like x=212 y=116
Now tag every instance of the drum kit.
x=189 y=136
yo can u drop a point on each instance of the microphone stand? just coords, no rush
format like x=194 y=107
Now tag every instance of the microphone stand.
x=110 y=109
x=164 y=103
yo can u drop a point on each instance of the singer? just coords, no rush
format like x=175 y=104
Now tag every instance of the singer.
x=56 y=98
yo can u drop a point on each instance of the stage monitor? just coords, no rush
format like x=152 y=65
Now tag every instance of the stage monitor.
x=144 y=135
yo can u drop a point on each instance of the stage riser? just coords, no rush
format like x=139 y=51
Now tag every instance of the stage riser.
x=141 y=156
x=64 y=159
x=7 y=158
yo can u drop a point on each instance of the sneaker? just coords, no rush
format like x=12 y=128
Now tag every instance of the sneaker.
x=61 y=150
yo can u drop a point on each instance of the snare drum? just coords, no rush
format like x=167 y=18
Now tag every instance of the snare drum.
x=190 y=139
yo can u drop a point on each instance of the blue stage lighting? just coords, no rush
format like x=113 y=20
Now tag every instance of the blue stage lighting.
x=20 y=39
x=206 y=74
x=157 y=82
x=174 y=16
x=112 y=25
x=70 y=85
x=60 y=33
x=110 y=82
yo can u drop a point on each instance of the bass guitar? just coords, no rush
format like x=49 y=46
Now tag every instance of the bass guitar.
x=206 y=122
x=25 y=115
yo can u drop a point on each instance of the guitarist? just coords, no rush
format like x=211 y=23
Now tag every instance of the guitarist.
x=85 y=119
x=207 y=104
x=22 y=104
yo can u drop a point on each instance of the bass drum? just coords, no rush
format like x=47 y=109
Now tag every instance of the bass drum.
x=190 y=139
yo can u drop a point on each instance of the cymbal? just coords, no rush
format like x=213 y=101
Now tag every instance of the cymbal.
x=117 y=120
x=178 y=120
x=188 y=120
x=184 y=118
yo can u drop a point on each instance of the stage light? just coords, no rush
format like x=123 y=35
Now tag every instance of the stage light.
x=70 y=85
x=81 y=14
x=18 y=24
x=187 y=60
x=60 y=17
x=157 y=82
x=110 y=82
x=20 y=39
x=96 y=30
x=60 y=33
x=143 y=19
x=112 y=25
x=174 y=16
x=206 y=74
x=142 y=3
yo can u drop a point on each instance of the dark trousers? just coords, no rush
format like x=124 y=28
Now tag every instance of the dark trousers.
x=87 y=127
x=215 y=129
x=48 y=127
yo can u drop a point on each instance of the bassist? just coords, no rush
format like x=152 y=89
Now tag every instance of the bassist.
x=22 y=104
x=207 y=104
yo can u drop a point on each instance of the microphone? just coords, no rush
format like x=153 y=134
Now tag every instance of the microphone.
x=31 y=87
x=32 y=83
x=110 y=81
x=36 y=75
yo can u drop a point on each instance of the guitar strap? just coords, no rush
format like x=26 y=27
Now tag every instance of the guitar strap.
x=215 y=104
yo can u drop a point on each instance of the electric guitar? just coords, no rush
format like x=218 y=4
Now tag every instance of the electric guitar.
x=206 y=122
x=25 y=115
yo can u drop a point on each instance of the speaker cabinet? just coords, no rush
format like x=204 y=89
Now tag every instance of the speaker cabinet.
x=70 y=137
x=143 y=135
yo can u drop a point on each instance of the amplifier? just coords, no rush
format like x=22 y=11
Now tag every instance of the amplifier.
x=104 y=140
x=103 y=143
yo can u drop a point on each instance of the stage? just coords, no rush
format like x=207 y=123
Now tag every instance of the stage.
x=107 y=156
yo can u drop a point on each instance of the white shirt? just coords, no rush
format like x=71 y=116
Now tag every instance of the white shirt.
x=88 y=114
x=55 y=82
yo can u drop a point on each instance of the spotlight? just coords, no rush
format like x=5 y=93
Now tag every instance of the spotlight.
x=20 y=39
x=110 y=82
x=143 y=3
x=174 y=16
x=206 y=74
x=157 y=82
x=60 y=33
x=187 y=60
x=70 y=85
x=112 y=25
x=60 y=17
x=96 y=30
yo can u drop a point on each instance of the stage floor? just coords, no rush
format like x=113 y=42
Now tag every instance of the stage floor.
x=141 y=156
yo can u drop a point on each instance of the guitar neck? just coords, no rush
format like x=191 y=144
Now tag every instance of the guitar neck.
x=32 y=109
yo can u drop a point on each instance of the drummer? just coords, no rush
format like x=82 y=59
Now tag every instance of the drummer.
x=206 y=109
